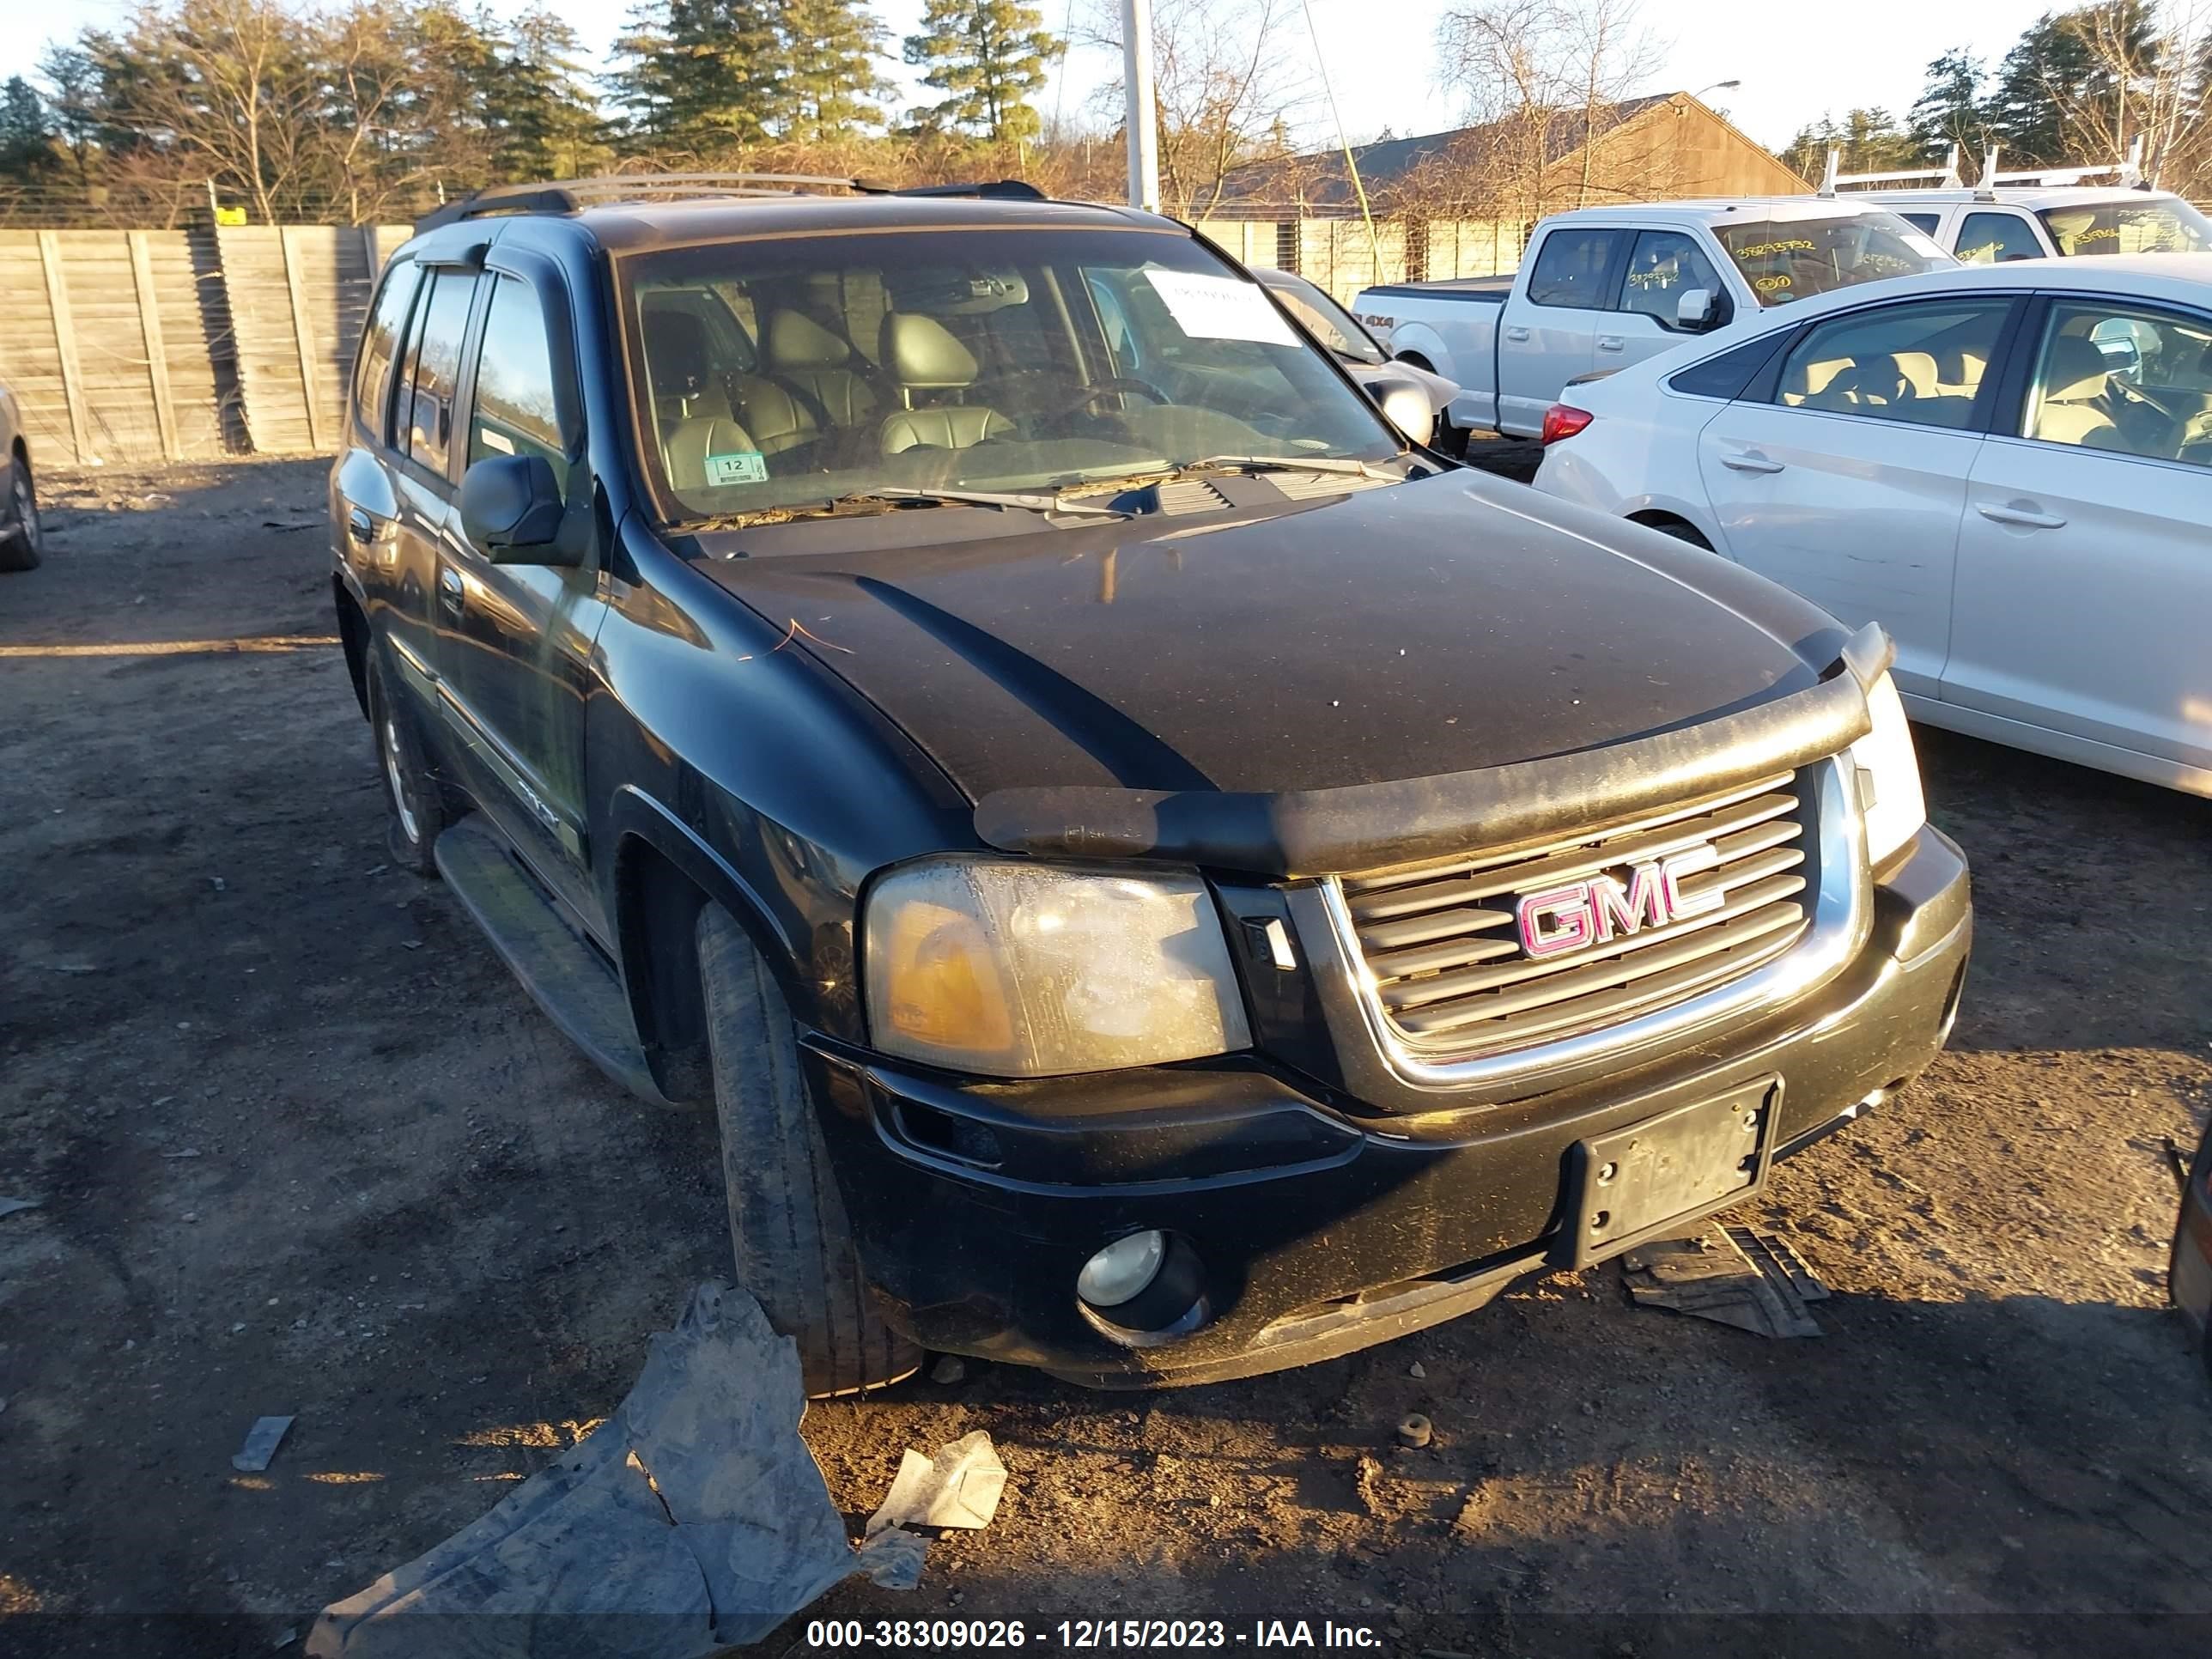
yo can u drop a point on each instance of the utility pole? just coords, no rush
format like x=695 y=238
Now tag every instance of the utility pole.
x=1140 y=120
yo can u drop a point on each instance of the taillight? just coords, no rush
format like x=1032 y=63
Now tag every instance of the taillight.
x=1564 y=420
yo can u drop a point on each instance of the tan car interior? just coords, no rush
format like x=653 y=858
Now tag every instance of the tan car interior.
x=1938 y=387
x=806 y=393
x=2070 y=399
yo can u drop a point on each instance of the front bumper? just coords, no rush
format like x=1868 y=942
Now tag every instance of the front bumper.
x=1321 y=1228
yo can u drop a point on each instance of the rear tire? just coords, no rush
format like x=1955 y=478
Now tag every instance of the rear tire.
x=1680 y=531
x=412 y=795
x=22 y=547
x=795 y=1249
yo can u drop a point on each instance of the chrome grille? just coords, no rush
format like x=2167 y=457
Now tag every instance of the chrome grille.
x=1444 y=957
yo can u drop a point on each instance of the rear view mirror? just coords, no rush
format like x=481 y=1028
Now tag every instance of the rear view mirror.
x=511 y=511
x=1694 y=310
x=1405 y=404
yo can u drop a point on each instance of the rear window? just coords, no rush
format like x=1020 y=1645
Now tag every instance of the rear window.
x=1786 y=259
x=2152 y=227
x=1729 y=374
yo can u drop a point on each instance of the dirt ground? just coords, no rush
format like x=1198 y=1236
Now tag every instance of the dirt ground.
x=301 y=1146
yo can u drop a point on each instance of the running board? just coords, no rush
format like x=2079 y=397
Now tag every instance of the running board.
x=568 y=979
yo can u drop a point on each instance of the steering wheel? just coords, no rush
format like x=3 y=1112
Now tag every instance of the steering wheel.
x=1107 y=388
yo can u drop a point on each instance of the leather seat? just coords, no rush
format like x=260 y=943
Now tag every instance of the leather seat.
x=2068 y=411
x=817 y=365
x=924 y=358
x=691 y=414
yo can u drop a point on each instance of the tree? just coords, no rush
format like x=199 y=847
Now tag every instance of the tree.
x=1869 y=141
x=1949 y=111
x=74 y=74
x=1542 y=79
x=832 y=83
x=702 y=75
x=541 y=107
x=989 y=55
x=1227 y=94
x=27 y=133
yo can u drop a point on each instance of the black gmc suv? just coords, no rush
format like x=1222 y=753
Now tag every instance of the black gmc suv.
x=1160 y=878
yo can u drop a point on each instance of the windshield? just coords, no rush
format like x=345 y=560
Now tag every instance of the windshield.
x=787 y=373
x=1326 y=320
x=2160 y=226
x=1788 y=260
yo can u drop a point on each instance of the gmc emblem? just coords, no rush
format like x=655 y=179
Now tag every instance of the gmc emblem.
x=1593 y=909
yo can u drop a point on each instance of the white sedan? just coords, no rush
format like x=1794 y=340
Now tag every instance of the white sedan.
x=2009 y=466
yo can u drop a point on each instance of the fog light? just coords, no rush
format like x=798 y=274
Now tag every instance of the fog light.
x=1122 y=1271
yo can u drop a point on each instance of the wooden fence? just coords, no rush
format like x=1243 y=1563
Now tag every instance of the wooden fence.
x=132 y=346
x=135 y=346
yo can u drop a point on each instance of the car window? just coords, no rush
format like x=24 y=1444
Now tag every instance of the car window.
x=1731 y=372
x=1786 y=259
x=1925 y=223
x=1570 y=268
x=434 y=368
x=2125 y=378
x=387 y=322
x=1924 y=363
x=2166 y=225
x=1327 y=321
x=1664 y=265
x=516 y=410
x=1989 y=238
x=985 y=367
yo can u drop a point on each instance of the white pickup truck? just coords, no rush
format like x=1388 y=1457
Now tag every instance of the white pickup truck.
x=1605 y=286
x=1991 y=226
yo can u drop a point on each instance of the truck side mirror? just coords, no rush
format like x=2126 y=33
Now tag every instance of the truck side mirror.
x=512 y=514
x=1406 y=405
x=1694 y=312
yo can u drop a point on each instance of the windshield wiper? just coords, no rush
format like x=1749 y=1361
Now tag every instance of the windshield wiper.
x=1282 y=463
x=1030 y=500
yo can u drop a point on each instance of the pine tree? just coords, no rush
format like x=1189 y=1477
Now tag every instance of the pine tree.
x=541 y=106
x=703 y=75
x=1949 y=109
x=26 y=132
x=990 y=55
x=832 y=82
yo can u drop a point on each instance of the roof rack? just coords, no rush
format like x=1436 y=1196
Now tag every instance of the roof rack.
x=573 y=195
x=2128 y=174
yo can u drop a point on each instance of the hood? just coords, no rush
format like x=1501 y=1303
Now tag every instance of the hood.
x=1391 y=633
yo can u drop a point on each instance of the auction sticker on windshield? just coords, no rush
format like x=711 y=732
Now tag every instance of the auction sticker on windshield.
x=1208 y=307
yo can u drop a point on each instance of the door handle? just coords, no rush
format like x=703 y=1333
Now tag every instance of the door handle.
x=1609 y=343
x=1751 y=461
x=1996 y=512
x=1516 y=333
x=361 y=526
x=449 y=587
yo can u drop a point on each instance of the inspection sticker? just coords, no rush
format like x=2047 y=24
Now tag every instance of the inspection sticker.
x=744 y=466
x=1208 y=307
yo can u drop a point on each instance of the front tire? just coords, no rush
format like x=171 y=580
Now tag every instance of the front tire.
x=412 y=795
x=795 y=1249
x=24 y=545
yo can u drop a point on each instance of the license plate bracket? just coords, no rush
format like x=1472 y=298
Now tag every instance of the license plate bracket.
x=1644 y=1182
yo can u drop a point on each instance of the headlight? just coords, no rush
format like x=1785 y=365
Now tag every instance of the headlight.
x=1888 y=775
x=1018 y=969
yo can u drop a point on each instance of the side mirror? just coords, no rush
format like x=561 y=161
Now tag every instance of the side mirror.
x=511 y=511
x=1406 y=405
x=1694 y=311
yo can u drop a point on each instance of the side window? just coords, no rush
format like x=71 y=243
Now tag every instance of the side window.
x=372 y=379
x=1570 y=268
x=1925 y=223
x=1731 y=373
x=1989 y=239
x=435 y=359
x=1923 y=364
x=2137 y=382
x=516 y=410
x=1665 y=265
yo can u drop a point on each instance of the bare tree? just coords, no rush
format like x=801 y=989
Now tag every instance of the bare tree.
x=2145 y=82
x=1228 y=97
x=1542 y=77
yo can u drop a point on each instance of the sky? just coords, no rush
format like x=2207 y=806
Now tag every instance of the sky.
x=1380 y=53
